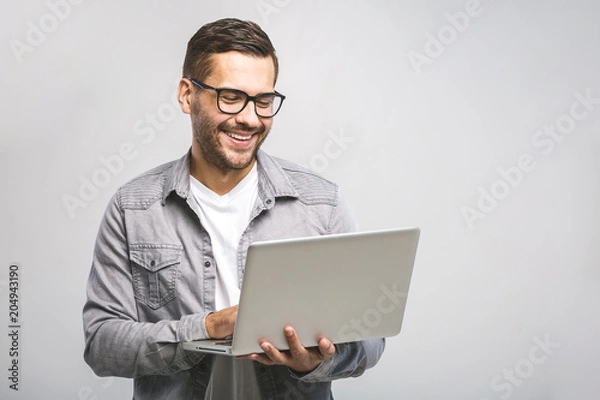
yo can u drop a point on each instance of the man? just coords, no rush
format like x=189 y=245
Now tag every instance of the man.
x=170 y=253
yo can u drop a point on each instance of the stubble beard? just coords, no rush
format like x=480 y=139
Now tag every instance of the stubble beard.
x=206 y=136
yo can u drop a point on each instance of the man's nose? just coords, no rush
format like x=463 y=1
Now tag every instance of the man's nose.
x=248 y=115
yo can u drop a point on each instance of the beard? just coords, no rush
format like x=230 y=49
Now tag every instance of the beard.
x=207 y=133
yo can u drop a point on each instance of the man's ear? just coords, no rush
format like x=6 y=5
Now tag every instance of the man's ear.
x=185 y=92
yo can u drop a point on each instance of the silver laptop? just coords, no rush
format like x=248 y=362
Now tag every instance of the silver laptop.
x=345 y=287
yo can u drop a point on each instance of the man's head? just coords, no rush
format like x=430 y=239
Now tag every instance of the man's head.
x=228 y=54
x=222 y=36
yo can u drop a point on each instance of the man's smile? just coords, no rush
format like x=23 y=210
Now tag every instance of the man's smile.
x=238 y=136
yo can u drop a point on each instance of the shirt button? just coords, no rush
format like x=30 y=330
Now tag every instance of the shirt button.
x=207 y=264
x=152 y=263
x=269 y=201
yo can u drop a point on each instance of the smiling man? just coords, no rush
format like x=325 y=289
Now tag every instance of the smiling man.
x=170 y=253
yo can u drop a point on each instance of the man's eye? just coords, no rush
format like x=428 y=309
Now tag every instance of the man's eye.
x=231 y=97
x=264 y=102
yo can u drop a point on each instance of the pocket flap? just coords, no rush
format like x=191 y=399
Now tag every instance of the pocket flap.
x=155 y=256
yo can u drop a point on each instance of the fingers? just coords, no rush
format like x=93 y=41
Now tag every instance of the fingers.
x=271 y=356
x=298 y=357
x=296 y=348
x=261 y=358
x=326 y=348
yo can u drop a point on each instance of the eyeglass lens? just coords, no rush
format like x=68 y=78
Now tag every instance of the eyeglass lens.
x=233 y=101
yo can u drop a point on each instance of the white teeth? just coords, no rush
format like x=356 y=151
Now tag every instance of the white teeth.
x=238 y=137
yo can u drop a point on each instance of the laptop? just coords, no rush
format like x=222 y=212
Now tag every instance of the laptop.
x=345 y=287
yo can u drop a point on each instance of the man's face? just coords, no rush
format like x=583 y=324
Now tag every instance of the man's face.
x=230 y=142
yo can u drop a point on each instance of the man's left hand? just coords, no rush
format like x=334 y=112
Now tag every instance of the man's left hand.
x=297 y=358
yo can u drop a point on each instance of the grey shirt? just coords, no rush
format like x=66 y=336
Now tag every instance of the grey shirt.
x=152 y=282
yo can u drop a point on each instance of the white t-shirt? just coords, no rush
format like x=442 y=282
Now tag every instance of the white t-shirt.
x=225 y=218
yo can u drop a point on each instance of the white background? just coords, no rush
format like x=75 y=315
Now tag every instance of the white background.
x=425 y=142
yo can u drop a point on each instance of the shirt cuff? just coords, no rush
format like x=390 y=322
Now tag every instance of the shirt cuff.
x=192 y=327
x=318 y=374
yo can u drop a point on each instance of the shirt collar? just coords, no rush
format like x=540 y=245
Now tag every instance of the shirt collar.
x=272 y=179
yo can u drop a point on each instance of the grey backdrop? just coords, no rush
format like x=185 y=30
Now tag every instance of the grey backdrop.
x=478 y=121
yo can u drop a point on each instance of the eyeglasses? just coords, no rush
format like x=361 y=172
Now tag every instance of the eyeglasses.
x=233 y=101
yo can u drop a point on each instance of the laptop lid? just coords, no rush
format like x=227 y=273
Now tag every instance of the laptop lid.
x=345 y=287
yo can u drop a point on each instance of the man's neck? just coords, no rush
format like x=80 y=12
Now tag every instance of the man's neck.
x=219 y=181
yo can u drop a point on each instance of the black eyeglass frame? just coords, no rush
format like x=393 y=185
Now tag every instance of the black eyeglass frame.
x=248 y=98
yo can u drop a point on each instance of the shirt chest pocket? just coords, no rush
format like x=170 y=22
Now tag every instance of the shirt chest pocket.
x=154 y=268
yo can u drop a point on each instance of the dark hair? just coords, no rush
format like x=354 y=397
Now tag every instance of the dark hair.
x=221 y=36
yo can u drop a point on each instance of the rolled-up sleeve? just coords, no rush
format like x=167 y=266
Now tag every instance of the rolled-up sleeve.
x=349 y=360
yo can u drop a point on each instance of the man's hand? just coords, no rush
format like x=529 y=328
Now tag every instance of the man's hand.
x=220 y=324
x=297 y=358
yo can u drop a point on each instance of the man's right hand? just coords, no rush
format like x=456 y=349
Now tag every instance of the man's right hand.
x=220 y=324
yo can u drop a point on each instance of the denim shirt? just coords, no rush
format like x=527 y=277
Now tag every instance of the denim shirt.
x=152 y=281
